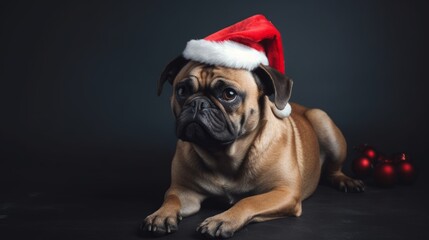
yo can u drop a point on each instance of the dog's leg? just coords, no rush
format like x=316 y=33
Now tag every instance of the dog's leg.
x=178 y=203
x=277 y=203
x=333 y=151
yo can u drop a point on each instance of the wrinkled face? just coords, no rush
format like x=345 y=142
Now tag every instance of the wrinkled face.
x=214 y=105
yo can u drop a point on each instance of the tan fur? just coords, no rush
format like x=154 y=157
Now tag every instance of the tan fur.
x=277 y=161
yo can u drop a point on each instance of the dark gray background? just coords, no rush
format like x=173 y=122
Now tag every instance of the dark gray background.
x=78 y=78
x=86 y=145
x=78 y=106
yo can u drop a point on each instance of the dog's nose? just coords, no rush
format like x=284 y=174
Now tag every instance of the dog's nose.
x=200 y=103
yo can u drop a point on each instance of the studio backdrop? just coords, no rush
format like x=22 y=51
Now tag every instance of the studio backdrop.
x=78 y=80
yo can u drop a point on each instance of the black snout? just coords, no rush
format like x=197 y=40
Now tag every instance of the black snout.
x=199 y=103
x=203 y=123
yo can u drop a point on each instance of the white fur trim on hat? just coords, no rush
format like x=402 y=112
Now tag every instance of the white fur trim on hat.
x=282 y=113
x=224 y=53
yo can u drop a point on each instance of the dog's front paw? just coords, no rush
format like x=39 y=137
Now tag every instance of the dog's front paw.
x=219 y=226
x=161 y=222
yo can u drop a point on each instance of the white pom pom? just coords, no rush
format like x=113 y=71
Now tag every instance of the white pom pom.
x=282 y=113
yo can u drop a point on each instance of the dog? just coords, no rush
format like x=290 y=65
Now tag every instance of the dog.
x=232 y=144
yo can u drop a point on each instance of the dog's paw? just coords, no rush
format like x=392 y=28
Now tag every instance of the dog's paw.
x=347 y=184
x=161 y=223
x=219 y=226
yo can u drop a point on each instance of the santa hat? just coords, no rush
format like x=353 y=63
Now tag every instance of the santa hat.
x=243 y=45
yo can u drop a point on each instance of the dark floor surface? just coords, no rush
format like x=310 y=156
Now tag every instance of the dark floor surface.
x=394 y=213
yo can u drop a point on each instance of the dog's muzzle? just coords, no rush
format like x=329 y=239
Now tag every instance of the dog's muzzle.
x=202 y=123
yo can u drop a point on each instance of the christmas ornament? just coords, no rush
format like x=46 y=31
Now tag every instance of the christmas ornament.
x=367 y=151
x=406 y=172
x=362 y=166
x=386 y=169
x=385 y=175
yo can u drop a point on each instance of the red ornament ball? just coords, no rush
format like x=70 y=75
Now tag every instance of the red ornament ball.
x=385 y=175
x=406 y=172
x=367 y=151
x=370 y=153
x=362 y=166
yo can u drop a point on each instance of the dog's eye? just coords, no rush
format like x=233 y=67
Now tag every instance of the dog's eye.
x=229 y=94
x=182 y=91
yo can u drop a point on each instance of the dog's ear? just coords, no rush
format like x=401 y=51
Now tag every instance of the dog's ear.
x=170 y=72
x=273 y=82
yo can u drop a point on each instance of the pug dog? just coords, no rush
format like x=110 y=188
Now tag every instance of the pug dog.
x=232 y=144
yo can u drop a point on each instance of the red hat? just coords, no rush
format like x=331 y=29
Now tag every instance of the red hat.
x=245 y=45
